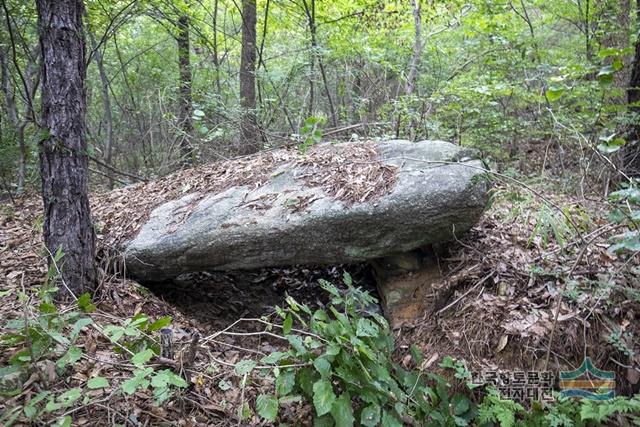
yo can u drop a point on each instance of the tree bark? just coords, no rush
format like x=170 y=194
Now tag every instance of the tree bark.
x=632 y=149
x=249 y=123
x=63 y=149
x=185 y=113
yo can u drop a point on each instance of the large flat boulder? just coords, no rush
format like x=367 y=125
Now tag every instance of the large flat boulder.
x=338 y=203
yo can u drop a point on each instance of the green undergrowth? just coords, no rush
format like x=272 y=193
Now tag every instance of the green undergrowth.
x=46 y=344
x=339 y=361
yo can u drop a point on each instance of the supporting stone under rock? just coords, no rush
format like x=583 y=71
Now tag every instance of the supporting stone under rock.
x=404 y=282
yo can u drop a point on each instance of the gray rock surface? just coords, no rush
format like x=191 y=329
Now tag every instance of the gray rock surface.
x=225 y=231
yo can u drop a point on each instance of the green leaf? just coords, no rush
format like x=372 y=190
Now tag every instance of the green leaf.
x=97 y=382
x=416 y=354
x=139 y=380
x=297 y=344
x=323 y=366
x=460 y=404
x=274 y=357
x=142 y=357
x=159 y=324
x=554 y=93
x=85 y=304
x=370 y=415
x=611 y=146
x=69 y=397
x=285 y=382
x=69 y=358
x=267 y=407
x=63 y=421
x=366 y=328
x=165 y=378
x=287 y=325
x=389 y=420
x=306 y=379
x=346 y=279
x=224 y=385
x=323 y=396
x=244 y=367
x=342 y=411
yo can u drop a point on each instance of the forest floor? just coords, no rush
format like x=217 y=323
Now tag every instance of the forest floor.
x=495 y=308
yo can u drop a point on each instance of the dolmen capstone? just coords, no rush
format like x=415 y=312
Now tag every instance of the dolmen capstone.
x=337 y=203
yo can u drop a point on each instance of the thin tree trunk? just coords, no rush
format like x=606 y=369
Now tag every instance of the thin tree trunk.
x=249 y=122
x=413 y=66
x=63 y=155
x=310 y=11
x=632 y=150
x=216 y=59
x=417 y=49
x=186 y=113
x=106 y=106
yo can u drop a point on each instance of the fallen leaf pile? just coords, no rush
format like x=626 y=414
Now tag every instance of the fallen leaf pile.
x=507 y=283
x=349 y=172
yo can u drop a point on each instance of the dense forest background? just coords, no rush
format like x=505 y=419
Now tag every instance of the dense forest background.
x=165 y=81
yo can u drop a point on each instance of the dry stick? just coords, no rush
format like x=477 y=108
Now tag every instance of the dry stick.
x=480 y=282
x=240 y=410
x=119 y=172
x=191 y=356
x=561 y=291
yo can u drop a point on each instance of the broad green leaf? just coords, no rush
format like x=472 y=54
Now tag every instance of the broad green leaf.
x=142 y=357
x=274 y=357
x=342 y=411
x=370 y=415
x=554 y=93
x=159 y=324
x=224 y=385
x=98 y=382
x=287 y=325
x=323 y=366
x=611 y=146
x=323 y=396
x=297 y=344
x=285 y=382
x=166 y=377
x=389 y=420
x=244 y=367
x=267 y=407
x=139 y=380
x=70 y=357
x=63 y=421
x=366 y=328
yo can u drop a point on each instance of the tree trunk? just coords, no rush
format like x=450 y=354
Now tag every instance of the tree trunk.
x=106 y=106
x=186 y=113
x=63 y=152
x=249 y=122
x=632 y=149
x=417 y=49
x=413 y=66
x=310 y=11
